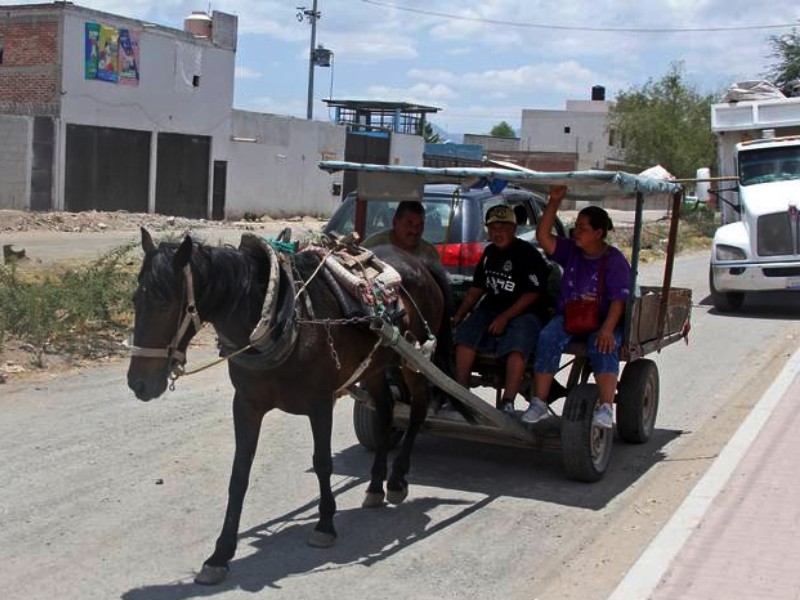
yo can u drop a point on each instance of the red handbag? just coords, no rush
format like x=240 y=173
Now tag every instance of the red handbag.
x=582 y=316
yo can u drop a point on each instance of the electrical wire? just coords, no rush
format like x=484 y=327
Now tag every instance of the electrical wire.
x=720 y=28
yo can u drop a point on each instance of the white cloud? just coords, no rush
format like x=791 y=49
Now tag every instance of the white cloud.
x=420 y=93
x=247 y=73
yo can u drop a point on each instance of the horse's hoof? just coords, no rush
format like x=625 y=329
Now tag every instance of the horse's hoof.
x=397 y=496
x=320 y=539
x=211 y=575
x=373 y=500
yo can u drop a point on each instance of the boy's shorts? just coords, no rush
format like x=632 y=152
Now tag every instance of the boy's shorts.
x=521 y=334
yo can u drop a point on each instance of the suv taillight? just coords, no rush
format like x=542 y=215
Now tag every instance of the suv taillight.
x=460 y=255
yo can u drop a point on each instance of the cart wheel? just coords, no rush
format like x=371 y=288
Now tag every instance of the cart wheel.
x=724 y=301
x=637 y=401
x=365 y=423
x=585 y=449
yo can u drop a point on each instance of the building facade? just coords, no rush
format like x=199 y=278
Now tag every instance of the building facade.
x=98 y=111
x=581 y=130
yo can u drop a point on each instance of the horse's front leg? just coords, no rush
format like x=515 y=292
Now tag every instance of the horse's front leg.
x=397 y=486
x=324 y=534
x=247 y=426
x=378 y=389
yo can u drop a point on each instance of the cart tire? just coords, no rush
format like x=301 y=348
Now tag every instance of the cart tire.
x=585 y=449
x=724 y=301
x=365 y=423
x=637 y=401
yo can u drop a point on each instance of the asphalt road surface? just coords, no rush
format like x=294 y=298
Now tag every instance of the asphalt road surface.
x=102 y=496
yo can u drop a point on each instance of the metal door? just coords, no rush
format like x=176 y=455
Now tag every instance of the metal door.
x=106 y=169
x=182 y=175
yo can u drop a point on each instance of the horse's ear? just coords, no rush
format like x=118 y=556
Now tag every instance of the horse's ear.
x=184 y=253
x=148 y=245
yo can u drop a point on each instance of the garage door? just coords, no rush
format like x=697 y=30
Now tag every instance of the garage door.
x=106 y=169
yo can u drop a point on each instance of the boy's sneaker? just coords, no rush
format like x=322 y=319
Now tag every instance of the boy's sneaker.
x=506 y=405
x=604 y=417
x=535 y=412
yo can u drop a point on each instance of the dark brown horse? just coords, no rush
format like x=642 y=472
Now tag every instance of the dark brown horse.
x=308 y=358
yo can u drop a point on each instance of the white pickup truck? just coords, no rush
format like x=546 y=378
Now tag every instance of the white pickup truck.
x=760 y=250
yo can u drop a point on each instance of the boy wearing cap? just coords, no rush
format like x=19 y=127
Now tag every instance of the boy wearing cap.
x=510 y=283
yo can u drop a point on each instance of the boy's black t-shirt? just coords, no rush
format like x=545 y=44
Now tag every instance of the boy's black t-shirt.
x=507 y=274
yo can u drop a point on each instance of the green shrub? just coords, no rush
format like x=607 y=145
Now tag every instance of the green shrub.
x=80 y=311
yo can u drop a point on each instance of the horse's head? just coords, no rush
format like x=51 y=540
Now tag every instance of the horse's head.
x=165 y=316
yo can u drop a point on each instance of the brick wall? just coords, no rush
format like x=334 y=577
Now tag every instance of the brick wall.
x=30 y=71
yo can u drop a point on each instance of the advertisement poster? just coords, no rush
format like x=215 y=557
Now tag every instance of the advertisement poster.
x=108 y=63
x=92 y=49
x=128 y=57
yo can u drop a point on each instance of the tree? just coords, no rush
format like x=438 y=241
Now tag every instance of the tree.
x=665 y=122
x=786 y=52
x=503 y=129
x=429 y=134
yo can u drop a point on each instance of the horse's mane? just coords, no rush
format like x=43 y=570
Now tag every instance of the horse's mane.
x=223 y=275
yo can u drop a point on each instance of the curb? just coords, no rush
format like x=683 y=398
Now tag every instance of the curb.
x=647 y=572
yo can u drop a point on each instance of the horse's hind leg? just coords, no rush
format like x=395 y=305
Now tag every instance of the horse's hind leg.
x=397 y=486
x=378 y=389
x=247 y=425
x=324 y=534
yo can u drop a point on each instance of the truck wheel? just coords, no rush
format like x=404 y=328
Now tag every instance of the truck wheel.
x=585 y=449
x=365 y=423
x=724 y=301
x=637 y=401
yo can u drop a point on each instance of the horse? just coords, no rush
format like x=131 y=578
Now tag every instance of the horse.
x=183 y=285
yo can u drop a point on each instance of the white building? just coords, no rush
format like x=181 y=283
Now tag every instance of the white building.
x=581 y=129
x=99 y=111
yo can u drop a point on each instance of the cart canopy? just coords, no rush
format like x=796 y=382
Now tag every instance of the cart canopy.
x=592 y=184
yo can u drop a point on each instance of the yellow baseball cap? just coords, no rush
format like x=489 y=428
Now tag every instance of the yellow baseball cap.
x=501 y=214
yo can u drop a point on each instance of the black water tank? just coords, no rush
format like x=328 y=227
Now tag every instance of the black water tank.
x=598 y=92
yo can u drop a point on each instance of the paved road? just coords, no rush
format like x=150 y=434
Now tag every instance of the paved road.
x=105 y=497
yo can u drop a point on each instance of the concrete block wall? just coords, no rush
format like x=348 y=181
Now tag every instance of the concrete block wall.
x=30 y=71
x=15 y=137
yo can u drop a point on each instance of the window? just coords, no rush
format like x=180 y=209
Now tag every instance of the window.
x=567 y=129
x=1 y=49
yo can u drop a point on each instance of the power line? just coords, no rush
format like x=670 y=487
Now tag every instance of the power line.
x=720 y=28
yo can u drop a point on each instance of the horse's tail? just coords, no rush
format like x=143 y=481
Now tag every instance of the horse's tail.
x=444 y=355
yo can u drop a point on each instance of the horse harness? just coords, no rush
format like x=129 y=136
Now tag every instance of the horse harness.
x=364 y=286
x=175 y=357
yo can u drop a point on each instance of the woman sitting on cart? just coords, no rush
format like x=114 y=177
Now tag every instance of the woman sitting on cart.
x=510 y=281
x=591 y=305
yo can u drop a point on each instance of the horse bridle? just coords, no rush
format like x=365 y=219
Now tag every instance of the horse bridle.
x=175 y=357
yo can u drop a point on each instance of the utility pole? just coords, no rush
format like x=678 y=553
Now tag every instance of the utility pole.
x=312 y=15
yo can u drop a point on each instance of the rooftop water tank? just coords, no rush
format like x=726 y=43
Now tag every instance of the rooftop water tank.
x=598 y=92
x=198 y=24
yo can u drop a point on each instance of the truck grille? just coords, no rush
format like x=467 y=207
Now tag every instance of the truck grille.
x=775 y=235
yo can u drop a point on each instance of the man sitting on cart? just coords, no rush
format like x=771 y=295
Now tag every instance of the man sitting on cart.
x=510 y=281
x=408 y=224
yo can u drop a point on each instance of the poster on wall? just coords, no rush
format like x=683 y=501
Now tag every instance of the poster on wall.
x=108 y=63
x=92 y=43
x=111 y=54
x=128 y=57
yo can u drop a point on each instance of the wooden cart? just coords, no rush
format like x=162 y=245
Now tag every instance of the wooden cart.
x=655 y=318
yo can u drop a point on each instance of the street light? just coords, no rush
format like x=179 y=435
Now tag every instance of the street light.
x=312 y=16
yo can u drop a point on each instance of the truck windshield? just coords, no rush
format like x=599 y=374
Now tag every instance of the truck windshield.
x=769 y=164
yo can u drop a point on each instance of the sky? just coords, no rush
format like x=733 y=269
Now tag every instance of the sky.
x=479 y=61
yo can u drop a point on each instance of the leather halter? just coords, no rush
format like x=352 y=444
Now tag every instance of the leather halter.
x=175 y=357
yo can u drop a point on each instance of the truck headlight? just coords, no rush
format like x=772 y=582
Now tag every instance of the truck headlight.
x=730 y=253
